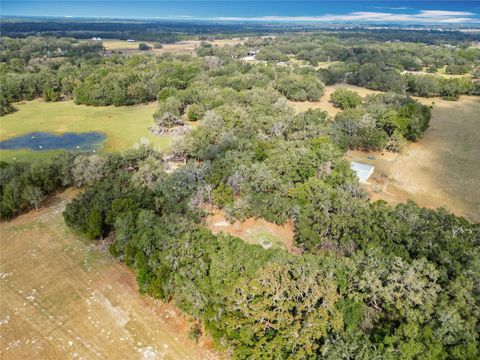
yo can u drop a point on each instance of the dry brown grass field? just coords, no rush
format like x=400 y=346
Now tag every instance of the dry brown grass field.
x=63 y=298
x=181 y=47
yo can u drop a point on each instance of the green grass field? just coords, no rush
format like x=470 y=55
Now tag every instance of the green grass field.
x=124 y=126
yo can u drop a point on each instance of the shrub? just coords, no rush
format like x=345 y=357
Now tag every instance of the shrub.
x=144 y=46
x=345 y=99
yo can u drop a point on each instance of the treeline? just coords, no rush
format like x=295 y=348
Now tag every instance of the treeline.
x=96 y=81
x=375 y=77
x=23 y=186
x=18 y=52
x=159 y=30
x=162 y=30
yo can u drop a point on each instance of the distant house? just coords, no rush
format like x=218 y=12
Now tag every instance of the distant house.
x=282 y=63
x=363 y=171
x=252 y=53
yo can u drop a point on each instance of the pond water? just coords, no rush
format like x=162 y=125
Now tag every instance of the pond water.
x=40 y=141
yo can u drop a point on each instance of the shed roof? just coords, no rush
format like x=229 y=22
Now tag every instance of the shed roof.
x=363 y=171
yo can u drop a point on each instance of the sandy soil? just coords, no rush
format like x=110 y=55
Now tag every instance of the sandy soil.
x=254 y=231
x=62 y=298
x=440 y=170
x=324 y=102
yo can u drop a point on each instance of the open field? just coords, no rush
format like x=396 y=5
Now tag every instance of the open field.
x=324 y=102
x=124 y=126
x=181 y=47
x=254 y=231
x=63 y=298
x=441 y=169
x=441 y=72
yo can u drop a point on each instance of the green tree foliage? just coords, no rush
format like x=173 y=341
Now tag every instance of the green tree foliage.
x=297 y=88
x=345 y=99
x=144 y=47
x=383 y=122
x=286 y=311
x=23 y=186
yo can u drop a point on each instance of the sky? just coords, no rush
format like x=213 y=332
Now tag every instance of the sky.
x=409 y=12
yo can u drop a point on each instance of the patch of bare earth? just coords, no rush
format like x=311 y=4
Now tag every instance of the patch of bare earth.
x=440 y=170
x=62 y=298
x=254 y=231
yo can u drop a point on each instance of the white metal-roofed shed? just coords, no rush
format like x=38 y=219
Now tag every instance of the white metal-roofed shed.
x=363 y=171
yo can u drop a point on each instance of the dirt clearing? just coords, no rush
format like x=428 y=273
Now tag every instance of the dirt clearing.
x=441 y=169
x=61 y=298
x=254 y=231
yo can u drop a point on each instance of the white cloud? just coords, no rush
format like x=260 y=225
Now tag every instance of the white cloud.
x=424 y=16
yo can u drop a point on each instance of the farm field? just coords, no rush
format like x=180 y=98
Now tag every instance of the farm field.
x=62 y=297
x=124 y=126
x=186 y=46
x=441 y=169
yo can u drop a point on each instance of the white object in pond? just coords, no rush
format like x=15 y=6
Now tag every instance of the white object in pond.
x=78 y=147
x=40 y=146
x=363 y=171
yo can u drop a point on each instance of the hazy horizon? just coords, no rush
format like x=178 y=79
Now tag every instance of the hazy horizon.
x=402 y=12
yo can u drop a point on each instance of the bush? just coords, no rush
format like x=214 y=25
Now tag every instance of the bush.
x=144 y=47
x=345 y=99
x=300 y=88
x=195 y=112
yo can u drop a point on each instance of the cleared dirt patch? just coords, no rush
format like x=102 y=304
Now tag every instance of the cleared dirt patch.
x=324 y=102
x=254 y=231
x=441 y=169
x=62 y=298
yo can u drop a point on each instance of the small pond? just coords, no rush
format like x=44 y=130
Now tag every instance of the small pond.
x=40 y=141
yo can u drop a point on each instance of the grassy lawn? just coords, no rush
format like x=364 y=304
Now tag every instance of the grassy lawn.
x=124 y=126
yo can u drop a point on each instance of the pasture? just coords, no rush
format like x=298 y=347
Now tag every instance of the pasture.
x=181 y=47
x=64 y=298
x=124 y=126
